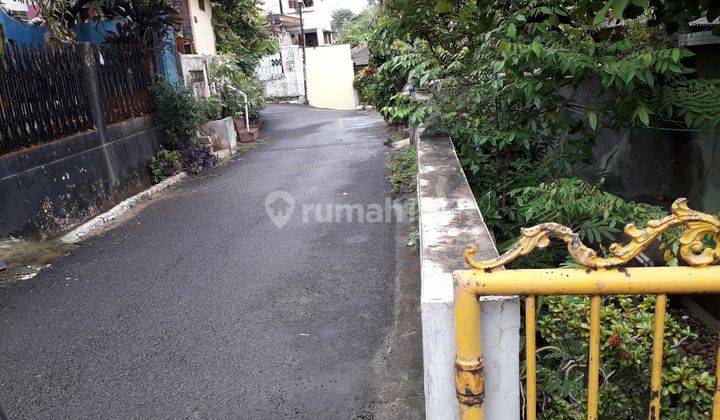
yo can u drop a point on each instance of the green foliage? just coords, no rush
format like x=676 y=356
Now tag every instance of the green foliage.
x=211 y=108
x=625 y=343
x=357 y=30
x=507 y=80
x=230 y=80
x=504 y=76
x=241 y=29
x=141 y=21
x=164 y=164
x=402 y=169
x=339 y=18
x=177 y=112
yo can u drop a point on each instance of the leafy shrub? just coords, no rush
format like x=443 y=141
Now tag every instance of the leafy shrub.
x=196 y=159
x=211 y=108
x=176 y=112
x=230 y=80
x=163 y=163
x=625 y=347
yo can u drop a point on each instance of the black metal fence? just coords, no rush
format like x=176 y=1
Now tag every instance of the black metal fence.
x=42 y=95
x=43 y=92
x=125 y=73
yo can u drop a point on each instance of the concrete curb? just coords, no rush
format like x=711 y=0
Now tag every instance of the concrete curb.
x=92 y=225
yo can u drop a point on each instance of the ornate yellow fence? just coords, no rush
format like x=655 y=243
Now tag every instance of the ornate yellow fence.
x=601 y=276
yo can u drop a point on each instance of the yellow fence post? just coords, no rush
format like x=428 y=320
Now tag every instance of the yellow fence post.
x=657 y=356
x=469 y=361
x=594 y=359
x=530 y=372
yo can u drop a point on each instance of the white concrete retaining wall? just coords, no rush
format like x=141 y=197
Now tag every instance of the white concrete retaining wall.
x=449 y=220
x=195 y=74
x=330 y=77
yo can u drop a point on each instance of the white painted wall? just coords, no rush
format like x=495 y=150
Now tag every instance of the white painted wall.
x=201 y=22
x=316 y=18
x=330 y=77
x=14 y=5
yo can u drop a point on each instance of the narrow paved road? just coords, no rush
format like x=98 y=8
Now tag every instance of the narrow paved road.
x=200 y=306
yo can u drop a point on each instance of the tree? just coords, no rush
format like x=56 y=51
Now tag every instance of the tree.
x=242 y=29
x=339 y=18
x=145 y=21
x=358 y=29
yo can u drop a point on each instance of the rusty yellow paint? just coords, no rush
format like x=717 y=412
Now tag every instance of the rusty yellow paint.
x=468 y=361
x=692 y=250
x=530 y=369
x=716 y=399
x=657 y=356
x=594 y=359
x=574 y=281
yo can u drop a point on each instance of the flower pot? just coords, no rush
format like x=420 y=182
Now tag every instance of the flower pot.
x=245 y=135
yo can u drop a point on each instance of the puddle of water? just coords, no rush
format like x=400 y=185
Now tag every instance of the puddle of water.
x=24 y=259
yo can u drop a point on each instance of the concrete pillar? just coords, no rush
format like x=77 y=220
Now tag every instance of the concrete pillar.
x=95 y=104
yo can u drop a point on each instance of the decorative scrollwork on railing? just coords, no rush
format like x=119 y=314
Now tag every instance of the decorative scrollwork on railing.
x=692 y=250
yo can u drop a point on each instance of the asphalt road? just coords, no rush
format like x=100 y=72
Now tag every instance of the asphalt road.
x=199 y=306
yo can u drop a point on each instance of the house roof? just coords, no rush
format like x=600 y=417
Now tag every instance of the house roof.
x=288 y=23
x=361 y=54
x=699 y=33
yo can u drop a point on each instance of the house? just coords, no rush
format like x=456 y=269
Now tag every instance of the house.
x=196 y=35
x=316 y=17
x=360 y=55
x=700 y=40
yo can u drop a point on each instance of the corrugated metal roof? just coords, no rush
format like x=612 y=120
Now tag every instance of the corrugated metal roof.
x=361 y=54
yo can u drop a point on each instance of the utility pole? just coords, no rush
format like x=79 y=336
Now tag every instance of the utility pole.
x=301 y=5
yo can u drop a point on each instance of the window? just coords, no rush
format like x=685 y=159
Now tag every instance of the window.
x=201 y=3
x=311 y=39
x=295 y=4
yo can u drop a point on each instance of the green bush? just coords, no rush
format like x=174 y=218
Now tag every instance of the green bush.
x=625 y=348
x=163 y=164
x=211 y=108
x=176 y=112
x=230 y=80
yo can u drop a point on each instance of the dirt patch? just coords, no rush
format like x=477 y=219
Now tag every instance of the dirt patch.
x=706 y=344
x=25 y=259
x=399 y=364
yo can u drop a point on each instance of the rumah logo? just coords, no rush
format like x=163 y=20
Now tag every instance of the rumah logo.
x=279 y=206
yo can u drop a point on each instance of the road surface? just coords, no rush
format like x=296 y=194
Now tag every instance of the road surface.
x=200 y=306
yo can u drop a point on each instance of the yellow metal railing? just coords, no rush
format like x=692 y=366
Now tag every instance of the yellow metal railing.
x=602 y=276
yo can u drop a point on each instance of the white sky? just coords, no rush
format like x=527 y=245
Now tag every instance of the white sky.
x=354 y=5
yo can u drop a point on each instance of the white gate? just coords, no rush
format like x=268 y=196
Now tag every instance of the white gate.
x=282 y=73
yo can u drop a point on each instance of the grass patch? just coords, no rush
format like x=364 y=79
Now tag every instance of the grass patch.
x=402 y=170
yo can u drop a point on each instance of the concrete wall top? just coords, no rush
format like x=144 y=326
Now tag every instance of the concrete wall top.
x=449 y=220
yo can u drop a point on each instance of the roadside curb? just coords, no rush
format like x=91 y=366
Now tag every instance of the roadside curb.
x=92 y=225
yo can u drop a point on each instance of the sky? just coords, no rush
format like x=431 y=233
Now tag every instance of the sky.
x=354 y=5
